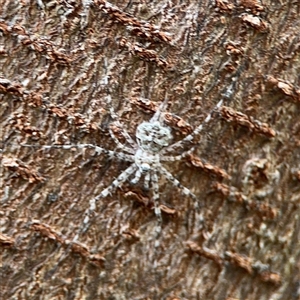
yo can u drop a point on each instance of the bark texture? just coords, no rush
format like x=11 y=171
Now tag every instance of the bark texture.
x=66 y=65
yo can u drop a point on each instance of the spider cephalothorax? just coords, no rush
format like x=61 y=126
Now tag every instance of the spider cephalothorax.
x=153 y=136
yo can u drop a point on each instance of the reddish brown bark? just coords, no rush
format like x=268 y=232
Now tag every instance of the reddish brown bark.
x=56 y=58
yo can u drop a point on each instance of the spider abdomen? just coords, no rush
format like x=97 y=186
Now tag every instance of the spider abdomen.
x=146 y=160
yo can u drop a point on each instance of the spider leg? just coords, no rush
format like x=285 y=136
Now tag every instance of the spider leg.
x=99 y=150
x=116 y=183
x=137 y=176
x=157 y=209
x=176 y=183
x=180 y=156
x=89 y=211
x=126 y=135
x=158 y=116
x=115 y=116
x=172 y=158
x=197 y=130
x=147 y=180
x=119 y=144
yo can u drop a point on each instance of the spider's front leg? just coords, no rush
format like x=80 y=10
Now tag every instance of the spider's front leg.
x=191 y=136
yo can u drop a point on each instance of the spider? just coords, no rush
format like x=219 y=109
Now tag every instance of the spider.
x=146 y=154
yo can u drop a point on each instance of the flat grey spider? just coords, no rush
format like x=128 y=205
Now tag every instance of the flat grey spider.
x=146 y=154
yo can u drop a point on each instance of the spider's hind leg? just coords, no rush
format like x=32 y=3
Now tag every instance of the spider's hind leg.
x=177 y=183
x=147 y=181
x=157 y=209
x=88 y=214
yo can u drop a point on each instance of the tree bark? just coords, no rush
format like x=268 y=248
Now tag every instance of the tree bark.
x=74 y=71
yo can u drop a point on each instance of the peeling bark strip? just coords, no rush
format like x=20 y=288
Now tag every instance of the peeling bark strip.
x=6 y=86
x=253 y=268
x=207 y=167
x=36 y=99
x=78 y=248
x=143 y=53
x=231 y=115
x=177 y=122
x=21 y=169
x=42 y=45
x=6 y=241
x=285 y=87
x=139 y=28
x=21 y=123
x=255 y=22
x=146 y=202
x=255 y=5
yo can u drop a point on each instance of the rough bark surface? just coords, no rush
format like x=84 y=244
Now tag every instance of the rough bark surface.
x=60 y=63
